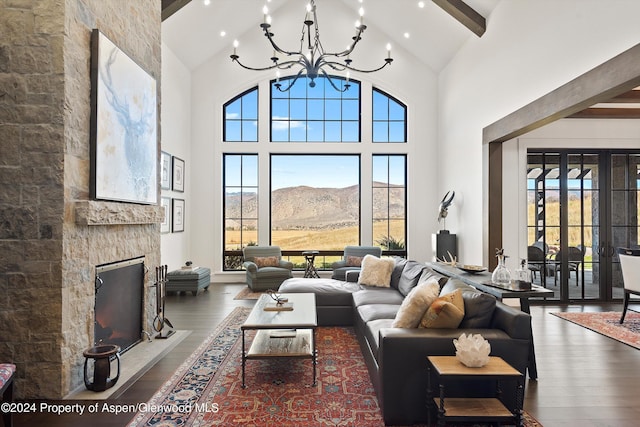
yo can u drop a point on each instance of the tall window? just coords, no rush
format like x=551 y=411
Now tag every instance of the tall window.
x=240 y=206
x=241 y=117
x=389 y=118
x=389 y=201
x=315 y=114
x=315 y=201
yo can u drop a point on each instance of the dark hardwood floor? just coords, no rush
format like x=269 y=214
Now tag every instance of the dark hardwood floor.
x=585 y=379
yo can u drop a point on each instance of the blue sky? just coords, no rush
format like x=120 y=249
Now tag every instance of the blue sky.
x=314 y=171
x=322 y=171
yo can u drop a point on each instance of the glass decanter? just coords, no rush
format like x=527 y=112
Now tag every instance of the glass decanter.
x=501 y=276
x=523 y=275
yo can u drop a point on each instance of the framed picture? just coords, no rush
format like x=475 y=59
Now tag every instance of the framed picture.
x=165 y=226
x=124 y=126
x=165 y=170
x=178 y=215
x=178 y=174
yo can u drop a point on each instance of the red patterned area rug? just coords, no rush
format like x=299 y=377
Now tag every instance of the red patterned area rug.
x=606 y=323
x=206 y=390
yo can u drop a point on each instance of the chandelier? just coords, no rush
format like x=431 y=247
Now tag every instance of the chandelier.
x=312 y=59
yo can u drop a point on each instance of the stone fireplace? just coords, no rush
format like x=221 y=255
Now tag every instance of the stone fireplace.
x=52 y=235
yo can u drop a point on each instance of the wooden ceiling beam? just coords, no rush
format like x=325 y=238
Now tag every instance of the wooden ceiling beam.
x=607 y=113
x=465 y=14
x=633 y=96
x=169 y=7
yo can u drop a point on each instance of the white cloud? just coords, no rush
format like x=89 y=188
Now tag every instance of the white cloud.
x=280 y=123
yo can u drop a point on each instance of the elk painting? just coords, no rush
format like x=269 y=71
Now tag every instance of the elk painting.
x=124 y=126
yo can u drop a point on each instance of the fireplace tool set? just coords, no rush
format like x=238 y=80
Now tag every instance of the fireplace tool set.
x=160 y=319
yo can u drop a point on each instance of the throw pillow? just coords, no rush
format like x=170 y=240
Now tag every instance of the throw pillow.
x=397 y=270
x=354 y=261
x=376 y=271
x=410 y=275
x=445 y=312
x=416 y=304
x=427 y=274
x=478 y=310
x=266 y=261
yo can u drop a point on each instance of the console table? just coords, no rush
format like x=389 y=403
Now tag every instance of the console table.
x=482 y=282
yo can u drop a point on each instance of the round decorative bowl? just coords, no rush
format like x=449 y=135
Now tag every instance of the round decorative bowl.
x=473 y=269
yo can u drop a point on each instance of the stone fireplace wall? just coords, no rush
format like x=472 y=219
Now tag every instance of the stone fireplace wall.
x=51 y=234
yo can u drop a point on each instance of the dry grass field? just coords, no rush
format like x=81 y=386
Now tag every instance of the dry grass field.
x=325 y=239
x=552 y=216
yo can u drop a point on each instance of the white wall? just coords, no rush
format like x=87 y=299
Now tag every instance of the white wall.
x=531 y=47
x=563 y=134
x=218 y=80
x=176 y=137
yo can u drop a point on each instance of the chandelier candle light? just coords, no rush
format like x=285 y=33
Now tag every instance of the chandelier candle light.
x=312 y=58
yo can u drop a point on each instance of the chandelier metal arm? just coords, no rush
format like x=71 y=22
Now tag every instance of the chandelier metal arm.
x=291 y=82
x=269 y=35
x=330 y=80
x=387 y=61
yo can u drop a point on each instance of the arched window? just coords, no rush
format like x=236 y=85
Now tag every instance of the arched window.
x=389 y=118
x=241 y=117
x=315 y=114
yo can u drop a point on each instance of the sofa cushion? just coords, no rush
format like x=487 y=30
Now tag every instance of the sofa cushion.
x=328 y=292
x=446 y=311
x=397 y=271
x=416 y=304
x=428 y=274
x=374 y=295
x=376 y=271
x=410 y=275
x=371 y=312
x=478 y=310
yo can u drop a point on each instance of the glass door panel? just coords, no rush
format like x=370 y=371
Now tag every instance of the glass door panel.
x=625 y=177
x=582 y=218
x=564 y=220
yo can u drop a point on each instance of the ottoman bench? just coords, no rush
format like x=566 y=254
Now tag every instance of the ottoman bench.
x=189 y=280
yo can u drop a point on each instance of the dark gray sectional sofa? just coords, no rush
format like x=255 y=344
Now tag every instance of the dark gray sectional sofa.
x=396 y=357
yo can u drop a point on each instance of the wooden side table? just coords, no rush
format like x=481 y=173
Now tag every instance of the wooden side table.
x=477 y=409
x=310 y=270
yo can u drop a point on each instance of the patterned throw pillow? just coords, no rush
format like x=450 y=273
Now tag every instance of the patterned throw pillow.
x=446 y=312
x=354 y=261
x=266 y=261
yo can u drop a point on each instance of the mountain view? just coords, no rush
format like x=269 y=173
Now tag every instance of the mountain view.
x=304 y=207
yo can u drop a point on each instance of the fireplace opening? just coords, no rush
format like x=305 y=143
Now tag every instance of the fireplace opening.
x=119 y=303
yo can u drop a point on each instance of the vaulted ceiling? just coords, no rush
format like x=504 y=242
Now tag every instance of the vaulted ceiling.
x=432 y=30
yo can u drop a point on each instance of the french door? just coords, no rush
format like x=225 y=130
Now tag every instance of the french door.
x=581 y=206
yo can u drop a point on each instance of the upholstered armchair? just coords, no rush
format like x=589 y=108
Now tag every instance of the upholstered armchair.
x=352 y=259
x=630 y=266
x=265 y=267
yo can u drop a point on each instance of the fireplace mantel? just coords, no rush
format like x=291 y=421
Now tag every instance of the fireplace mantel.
x=91 y=212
